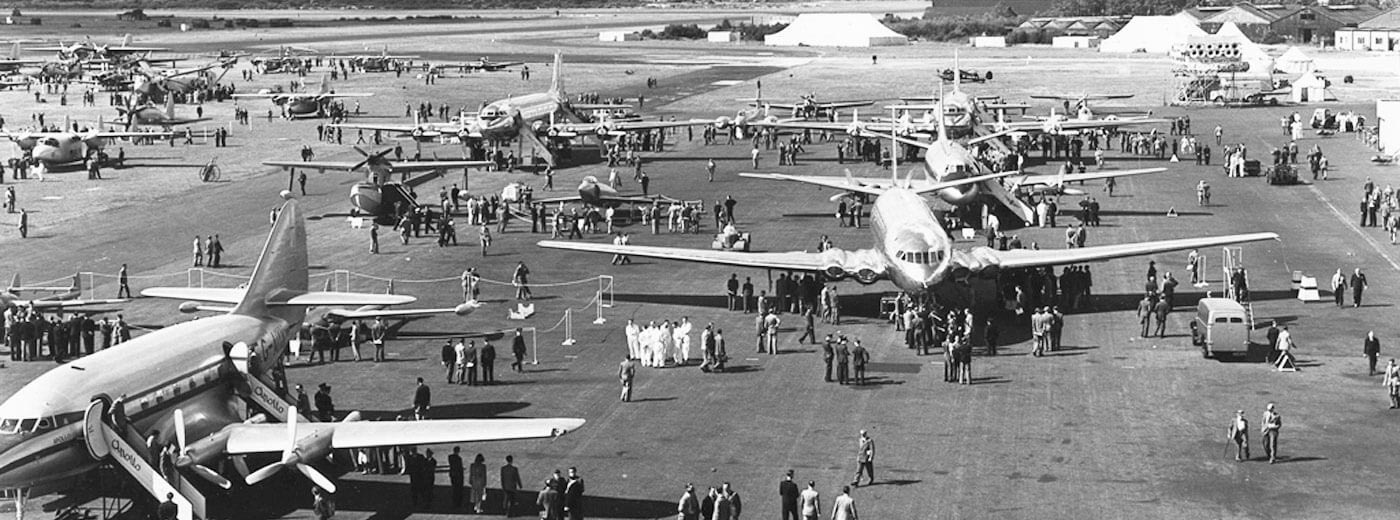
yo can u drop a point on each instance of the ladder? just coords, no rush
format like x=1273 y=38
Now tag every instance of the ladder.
x=103 y=441
x=1232 y=259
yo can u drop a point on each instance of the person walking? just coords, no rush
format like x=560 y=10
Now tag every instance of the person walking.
x=1358 y=285
x=865 y=459
x=1273 y=422
x=1371 y=348
x=626 y=372
x=1339 y=287
x=1239 y=433
x=423 y=396
x=845 y=508
x=788 y=495
x=1144 y=313
x=123 y=285
x=1160 y=310
x=510 y=485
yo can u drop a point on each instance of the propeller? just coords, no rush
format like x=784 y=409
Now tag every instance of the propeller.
x=369 y=158
x=291 y=456
x=185 y=461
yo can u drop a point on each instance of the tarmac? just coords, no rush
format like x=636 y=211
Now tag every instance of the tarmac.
x=1111 y=426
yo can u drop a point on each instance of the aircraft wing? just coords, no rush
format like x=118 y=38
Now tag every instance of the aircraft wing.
x=347 y=94
x=1033 y=180
x=845 y=104
x=399 y=166
x=792 y=261
x=272 y=437
x=1023 y=258
x=359 y=314
x=620 y=199
x=563 y=129
x=63 y=304
x=872 y=186
x=229 y=296
x=1042 y=126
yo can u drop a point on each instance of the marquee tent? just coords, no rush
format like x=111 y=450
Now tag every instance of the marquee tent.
x=836 y=30
x=1294 y=61
x=1154 y=34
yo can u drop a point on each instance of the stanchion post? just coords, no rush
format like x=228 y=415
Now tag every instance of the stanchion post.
x=600 y=319
x=568 y=328
x=535 y=343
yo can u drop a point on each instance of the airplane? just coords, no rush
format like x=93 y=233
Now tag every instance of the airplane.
x=382 y=62
x=287 y=59
x=13 y=62
x=86 y=49
x=808 y=107
x=155 y=83
x=1080 y=104
x=912 y=250
x=963 y=75
x=378 y=195
x=598 y=194
x=304 y=104
x=483 y=64
x=64 y=148
x=526 y=117
x=59 y=297
x=150 y=115
x=1059 y=123
x=8 y=83
x=188 y=382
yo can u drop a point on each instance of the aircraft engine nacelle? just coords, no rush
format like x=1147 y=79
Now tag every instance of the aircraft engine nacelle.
x=979 y=261
x=723 y=122
x=865 y=267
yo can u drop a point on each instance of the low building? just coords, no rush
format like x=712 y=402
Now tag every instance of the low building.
x=619 y=36
x=1318 y=24
x=1380 y=33
x=1075 y=42
x=722 y=36
x=989 y=41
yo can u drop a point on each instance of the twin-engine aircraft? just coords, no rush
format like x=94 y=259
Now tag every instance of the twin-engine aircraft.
x=187 y=383
x=305 y=104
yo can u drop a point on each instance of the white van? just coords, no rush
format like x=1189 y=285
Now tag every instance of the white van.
x=1221 y=326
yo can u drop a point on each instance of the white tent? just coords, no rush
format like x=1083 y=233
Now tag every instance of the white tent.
x=1154 y=34
x=1311 y=87
x=836 y=30
x=1294 y=61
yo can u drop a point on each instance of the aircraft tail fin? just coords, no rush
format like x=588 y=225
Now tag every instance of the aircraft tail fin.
x=957 y=72
x=325 y=85
x=126 y=40
x=942 y=113
x=14 y=282
x=556 y=83
x=281 y=268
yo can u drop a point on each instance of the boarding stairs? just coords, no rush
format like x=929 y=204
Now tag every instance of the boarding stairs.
x=104 y=441
x=1233 y=259
x=258 y=392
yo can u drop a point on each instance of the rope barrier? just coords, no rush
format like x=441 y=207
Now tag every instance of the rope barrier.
x=135 y=276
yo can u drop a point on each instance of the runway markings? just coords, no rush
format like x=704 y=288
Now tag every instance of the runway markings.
x=1354 y=227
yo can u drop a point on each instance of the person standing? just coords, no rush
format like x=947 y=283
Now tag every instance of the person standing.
x=123 y=285
x=845 y=508
x=828 y=355
x=476 y=478
x=788 y=495
x=510 y=485
x=573 y=495
x=689 y=507
x=456 y=475
x=1273 y=422
x=865 y=459
x=325 y=407
x=423 y=397
x=747 y=295
x=1358 y=285
x=1339 y=287
x=626 y=372
x=1392 y=383
x=486 y=357
x=1371 y=348
x=843 y=361
x=1239 y=433
x=198 y=252
x=710 y=169
x=552 y=508
x=521 y=279
x=169 y=510
x=1161 y=309
x=374 y=239
x=377 y=331
x=810 y=502
x=859 y=357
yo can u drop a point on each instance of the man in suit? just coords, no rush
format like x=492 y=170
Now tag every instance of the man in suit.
x=422 y=400
x=845 y=508
x=456 y=473
x=1161 y=309
x=549 y=503
x=1339 y=287
x=1144 y=313
x=1371 y=347
x=860 y=357
x=865 y=459
x=788 y=493
x=843 y=361
x=449 y=360
x=1358 y=285
x=510 y=484
x=828 y=355
x=1273 y=422
x=573 y=495
x=470 y=363
x=487 y=358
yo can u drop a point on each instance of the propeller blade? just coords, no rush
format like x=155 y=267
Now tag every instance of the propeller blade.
x=263 y=473
x=180 y=429
x=362 y=152
x=316 y=476
x=240 y=463
x=291 y=432
x=212 y=476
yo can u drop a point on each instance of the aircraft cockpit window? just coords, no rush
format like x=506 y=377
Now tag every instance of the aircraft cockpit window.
x=9 y=426
x=27 y=425
x=46 y=423
x=50 y=141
